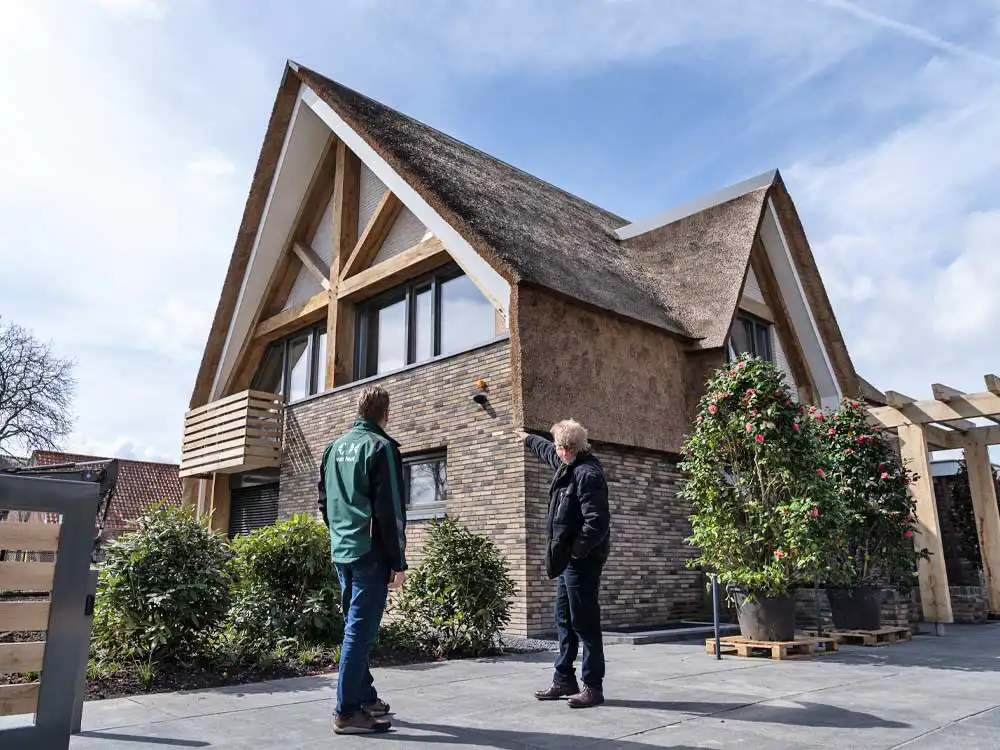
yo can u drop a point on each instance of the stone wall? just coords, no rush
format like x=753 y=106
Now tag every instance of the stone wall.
x=431 y=409
x=645 y=581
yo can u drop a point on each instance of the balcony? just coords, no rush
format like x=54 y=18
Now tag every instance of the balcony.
x=234 y=434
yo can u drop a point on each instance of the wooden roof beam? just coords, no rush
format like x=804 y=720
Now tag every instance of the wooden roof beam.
x=313 y=264
x=373 y=236
x=293 y=318
x=947 y=394
x=969 y=406
x=992 y=384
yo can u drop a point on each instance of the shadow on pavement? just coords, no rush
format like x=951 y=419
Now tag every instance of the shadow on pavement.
x=503 y=739
x=805 y=715
x=164 y=741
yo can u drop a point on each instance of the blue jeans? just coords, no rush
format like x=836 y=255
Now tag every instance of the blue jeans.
x=578 y=619
x=364 y=588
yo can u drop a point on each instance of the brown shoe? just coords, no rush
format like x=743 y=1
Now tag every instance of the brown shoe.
x=557 y=692
x=377 y=707
x=587 y=698
x=360 y=723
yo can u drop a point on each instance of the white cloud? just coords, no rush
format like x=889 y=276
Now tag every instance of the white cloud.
x=151 y=9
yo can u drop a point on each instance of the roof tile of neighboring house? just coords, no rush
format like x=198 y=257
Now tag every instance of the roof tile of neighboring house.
x=141 y=484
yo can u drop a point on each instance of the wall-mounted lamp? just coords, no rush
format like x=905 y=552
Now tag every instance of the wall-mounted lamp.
x=480 y=394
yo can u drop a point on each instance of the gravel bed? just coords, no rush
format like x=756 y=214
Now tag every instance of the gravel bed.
x=513 y=644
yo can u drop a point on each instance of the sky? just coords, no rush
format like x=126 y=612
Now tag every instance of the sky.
x=129 y=131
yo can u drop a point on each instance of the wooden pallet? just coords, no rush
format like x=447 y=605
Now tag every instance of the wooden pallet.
x=880 y=637
x=800 y=648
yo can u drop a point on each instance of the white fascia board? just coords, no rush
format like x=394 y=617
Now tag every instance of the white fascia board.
x=764 y=180
x=491 y=283
x=803 y=322
x=300 y=154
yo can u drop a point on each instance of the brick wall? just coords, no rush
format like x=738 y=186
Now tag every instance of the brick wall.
x=431 y=409
x=645 y=582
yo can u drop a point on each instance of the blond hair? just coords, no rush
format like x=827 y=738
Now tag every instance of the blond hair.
x=571 y=435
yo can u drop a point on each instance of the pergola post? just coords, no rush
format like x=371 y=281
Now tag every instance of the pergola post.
x=933 y=574
x=984 y=504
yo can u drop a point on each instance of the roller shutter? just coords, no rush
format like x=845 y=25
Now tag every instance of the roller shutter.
x=252 y=508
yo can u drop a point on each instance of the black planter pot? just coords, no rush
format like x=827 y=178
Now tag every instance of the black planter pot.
x=765 y=618
x=858 y=608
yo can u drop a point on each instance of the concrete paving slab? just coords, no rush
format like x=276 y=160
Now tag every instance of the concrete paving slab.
x=930 y=693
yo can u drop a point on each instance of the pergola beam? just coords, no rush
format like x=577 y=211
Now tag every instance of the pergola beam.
x=984 y=505
x=955 y=410
x=946 y=393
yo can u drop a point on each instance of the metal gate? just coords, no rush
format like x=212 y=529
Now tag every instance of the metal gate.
x=46 y=584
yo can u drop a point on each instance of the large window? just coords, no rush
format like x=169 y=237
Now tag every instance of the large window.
x=438 y=314
x=294 y=367
x=426 y=480
x=750 y=335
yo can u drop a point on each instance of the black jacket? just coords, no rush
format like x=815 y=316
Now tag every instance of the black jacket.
x=579 y=520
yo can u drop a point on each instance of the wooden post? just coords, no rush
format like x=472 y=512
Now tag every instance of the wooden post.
x=219 y=503
x=340 y=320
x=984 y=503
x=934 y=594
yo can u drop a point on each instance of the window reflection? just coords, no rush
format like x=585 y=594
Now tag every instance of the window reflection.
x=424 y=326
x=391 y=337
x=467 y=317
x=299 y=366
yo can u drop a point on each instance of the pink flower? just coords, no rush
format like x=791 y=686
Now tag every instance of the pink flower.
x=700 y=419
x=779 y=554
x=751 y=392
x=815 y=512
x=831 y=431
x=712 y=408
x=848 y=451
x=741 y=365
x=819 y=416
x=749 y=427
x=760 y=439
x=788 y=402
x=796 y=427
x=812 y=409
x=821 y=472
x=778 y=393
x=885 y=475
x=908 y=534
x=754 y=412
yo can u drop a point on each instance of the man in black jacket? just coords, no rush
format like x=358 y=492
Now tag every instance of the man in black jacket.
x=579 y=523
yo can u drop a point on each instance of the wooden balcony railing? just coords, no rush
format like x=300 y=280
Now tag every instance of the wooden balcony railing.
x=237 y=433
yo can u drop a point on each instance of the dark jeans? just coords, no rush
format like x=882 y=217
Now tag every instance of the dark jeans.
x=365 y=587
x=578 y=619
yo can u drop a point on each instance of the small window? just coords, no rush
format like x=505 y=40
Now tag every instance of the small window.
x=426 y=480
x=750 y=335
x=441 y=313
x=294 y=367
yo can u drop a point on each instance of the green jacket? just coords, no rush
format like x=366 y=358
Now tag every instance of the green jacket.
x=361 y=496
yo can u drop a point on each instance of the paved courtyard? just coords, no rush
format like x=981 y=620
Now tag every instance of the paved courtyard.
x=936 y=692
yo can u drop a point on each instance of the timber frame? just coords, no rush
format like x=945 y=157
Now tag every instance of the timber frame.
x=945 y=422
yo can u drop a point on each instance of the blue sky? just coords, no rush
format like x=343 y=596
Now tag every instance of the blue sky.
x=131 y=129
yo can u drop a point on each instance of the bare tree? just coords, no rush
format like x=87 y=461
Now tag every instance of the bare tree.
x=36 y=393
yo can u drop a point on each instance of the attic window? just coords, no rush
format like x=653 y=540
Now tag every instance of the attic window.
x=750 y=335
x=438 y=314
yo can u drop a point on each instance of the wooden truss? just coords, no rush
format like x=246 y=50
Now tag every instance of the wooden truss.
x=945 y=422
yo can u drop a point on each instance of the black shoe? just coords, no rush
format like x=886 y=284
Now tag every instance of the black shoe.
x=587 y=698
x=557 y=692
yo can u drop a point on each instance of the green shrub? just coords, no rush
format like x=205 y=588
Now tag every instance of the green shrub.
x=765 y=513
x=872 y=485
x=458 y=600
x=286 y=592
x=164 y=588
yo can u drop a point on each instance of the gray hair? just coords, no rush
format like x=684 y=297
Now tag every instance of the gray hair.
x=571 y=435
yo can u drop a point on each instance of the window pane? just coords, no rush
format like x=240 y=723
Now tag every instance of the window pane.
x=391 y=337
x=424 y=326
x=320 y=383
x=270 y=375
x=763 y=341
x=740 y=339
x=467 y=317
x=298 y=368
x=428 y=483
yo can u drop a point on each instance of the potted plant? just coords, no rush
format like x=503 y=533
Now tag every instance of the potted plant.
x=764 y=515
x=879 y=516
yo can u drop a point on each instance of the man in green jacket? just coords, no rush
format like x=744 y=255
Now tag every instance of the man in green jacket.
x=361 y=499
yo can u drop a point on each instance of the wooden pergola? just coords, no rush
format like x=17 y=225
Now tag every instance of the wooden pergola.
x=945 y=423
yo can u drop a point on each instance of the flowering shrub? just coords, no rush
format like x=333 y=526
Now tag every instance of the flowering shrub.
x=872 y=484
x=765 y=515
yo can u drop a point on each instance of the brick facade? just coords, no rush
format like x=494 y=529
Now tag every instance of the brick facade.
x=431 y=409
x=645 y=582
